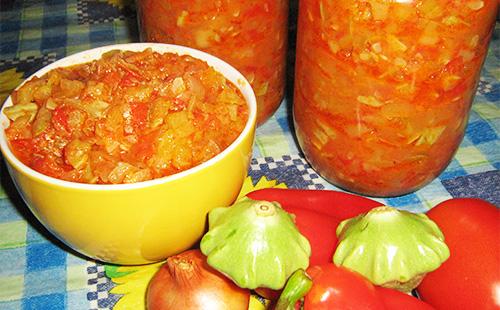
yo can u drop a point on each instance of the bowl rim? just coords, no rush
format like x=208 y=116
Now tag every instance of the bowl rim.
x=228 y=71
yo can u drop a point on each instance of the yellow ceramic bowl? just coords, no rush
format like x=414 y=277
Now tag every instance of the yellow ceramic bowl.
x=141 y=222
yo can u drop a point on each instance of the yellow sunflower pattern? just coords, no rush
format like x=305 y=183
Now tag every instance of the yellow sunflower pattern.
x=9 y=79
x=120 y=3
x=132 y=281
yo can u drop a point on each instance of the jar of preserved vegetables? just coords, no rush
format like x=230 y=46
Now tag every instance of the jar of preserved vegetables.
x=250 y=35
x=383 y=88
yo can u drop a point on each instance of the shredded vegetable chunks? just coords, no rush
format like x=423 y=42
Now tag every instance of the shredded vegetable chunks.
x=383 y=88
x=127 y=117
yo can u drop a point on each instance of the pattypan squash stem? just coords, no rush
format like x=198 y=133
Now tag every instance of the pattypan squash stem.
x=264 y=208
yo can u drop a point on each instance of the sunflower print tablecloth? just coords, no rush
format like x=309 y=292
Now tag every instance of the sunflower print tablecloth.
x=39 y=272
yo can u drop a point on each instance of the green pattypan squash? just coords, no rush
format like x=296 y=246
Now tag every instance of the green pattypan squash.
x=255 y=243
x=391 y=247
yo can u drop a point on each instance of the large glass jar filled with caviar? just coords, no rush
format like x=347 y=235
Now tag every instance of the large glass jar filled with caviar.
x=383 y=88
x=251 y=35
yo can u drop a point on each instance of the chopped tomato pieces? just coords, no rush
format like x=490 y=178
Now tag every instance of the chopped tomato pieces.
x=383 y=88
x=109 y=122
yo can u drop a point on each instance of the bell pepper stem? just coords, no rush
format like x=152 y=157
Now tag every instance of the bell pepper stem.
x=297 y=286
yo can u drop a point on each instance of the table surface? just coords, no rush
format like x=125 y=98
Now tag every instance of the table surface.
x=38 y=272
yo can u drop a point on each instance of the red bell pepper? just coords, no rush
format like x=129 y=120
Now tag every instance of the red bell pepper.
x=333 y=203
x=330 y=287
x=393 y=299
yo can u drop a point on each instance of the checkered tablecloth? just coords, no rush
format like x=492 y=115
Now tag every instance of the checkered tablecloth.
x=39 y=272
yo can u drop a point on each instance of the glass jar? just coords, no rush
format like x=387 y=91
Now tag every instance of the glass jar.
x=383 y=88
x=250 y=35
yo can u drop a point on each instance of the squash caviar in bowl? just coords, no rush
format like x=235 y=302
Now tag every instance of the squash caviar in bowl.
x=122 y=150
x=383 y=89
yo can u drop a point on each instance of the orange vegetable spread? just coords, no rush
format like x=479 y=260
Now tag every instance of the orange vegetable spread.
x=250 y=35
x=127 y=117
x=383 y=88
